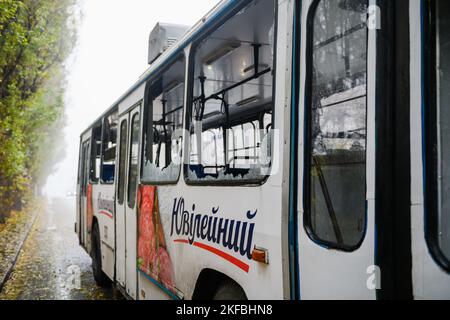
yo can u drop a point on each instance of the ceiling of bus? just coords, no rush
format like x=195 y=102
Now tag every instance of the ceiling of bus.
x=226 y=56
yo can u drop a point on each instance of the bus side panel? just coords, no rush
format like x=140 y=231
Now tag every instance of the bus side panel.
x=429 y=280
x=150 y=290
x=254 y=212
x=104 y=213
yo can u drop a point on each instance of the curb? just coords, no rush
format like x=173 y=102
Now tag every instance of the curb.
x=16 y=257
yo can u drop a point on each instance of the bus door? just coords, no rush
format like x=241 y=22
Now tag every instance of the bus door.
x=84 y=180
x=126 y=223
x=335 y=181
x=431 y=160
x=120 y=199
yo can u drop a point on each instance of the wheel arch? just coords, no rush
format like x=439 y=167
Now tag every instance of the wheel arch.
x=208 y=282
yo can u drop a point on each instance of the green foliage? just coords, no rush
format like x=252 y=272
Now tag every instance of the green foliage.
x=35 y=39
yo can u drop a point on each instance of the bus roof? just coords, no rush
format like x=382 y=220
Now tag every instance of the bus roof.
x=197 y=31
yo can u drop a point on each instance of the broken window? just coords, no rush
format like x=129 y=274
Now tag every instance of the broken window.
x=122 y=161
x=336 y=159
x=230 y=119
x=164 y=118
x=83 y=168
x=110 y=123
x=96 y=148
x=133 y=161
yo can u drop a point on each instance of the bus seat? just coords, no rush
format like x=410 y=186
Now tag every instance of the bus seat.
x=108 y=173
x=198 y=170
x=236 y=172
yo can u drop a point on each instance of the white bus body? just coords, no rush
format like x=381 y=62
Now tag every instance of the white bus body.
x=334 y=95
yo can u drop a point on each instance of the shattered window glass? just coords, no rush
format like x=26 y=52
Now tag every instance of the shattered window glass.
x=338 y=110
x=133 y=161
x=230 y=120
x=96 y=148
x=109 y=147
x=162 y=144
x=122 y=161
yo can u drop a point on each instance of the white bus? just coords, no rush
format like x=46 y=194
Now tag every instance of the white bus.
x=279 y=149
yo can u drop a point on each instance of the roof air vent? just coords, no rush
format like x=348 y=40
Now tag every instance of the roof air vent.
x=162 y=37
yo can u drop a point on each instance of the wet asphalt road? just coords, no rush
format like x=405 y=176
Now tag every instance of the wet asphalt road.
x=51 y=265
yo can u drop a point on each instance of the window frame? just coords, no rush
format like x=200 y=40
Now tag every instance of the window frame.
x=80 y=160
x=307 y=221
x=92 y=158
x=190 y=100
x=133 y=115
x=148 y=104
x=102 y=182
x=123 y=180
x=85 y=149
x=86 y=168
x=430 y=141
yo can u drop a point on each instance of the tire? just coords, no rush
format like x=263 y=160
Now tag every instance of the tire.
x=229 y=290
x=100 y=277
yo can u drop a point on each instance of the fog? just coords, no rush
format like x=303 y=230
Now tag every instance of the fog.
x=110 y=55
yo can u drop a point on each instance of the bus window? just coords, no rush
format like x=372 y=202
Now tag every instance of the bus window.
x=438 y=233
x=85 y=168
x=80 y=163
x=164 y=117
x=122 y=161
x=336 y=145
x=109 y=147
x=96 y=153
x=230 y=117
x=134 y=157
x=83 y=173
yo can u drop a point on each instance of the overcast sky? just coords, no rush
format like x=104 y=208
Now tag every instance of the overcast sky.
x=110 y=56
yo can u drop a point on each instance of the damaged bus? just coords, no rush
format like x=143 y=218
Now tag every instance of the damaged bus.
x=278 y=149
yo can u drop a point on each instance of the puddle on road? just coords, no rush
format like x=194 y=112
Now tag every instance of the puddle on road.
x=52 y=266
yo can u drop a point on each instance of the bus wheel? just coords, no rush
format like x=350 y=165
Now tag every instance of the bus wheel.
x=229 y=290
x=99 y=276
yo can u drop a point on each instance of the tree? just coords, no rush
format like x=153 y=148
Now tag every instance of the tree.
x=35 y=39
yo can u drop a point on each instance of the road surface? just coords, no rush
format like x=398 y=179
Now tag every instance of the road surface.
x=51 y=265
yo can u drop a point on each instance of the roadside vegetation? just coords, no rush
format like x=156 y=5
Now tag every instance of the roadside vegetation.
x=36 y=38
